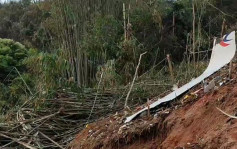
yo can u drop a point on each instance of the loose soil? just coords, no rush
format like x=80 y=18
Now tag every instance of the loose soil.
x=194 y=123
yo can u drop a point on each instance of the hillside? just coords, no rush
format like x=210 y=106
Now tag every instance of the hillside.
x=186 y=123
x=73 y=71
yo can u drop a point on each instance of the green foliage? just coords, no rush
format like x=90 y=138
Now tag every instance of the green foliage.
x=42 y=76
x=130 y=51
x=46 y=70
x=12 y=88
x=11 y=55
x=24 y=22
x=4 y=91
x=19 y=88
x=91 y=33
x=110 y=78
x=102 y=38
x=90 y=37
x=16 y=92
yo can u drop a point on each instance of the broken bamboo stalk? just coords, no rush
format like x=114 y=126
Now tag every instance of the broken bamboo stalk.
x=170 y=68
x=134 y=78
x=98 y=87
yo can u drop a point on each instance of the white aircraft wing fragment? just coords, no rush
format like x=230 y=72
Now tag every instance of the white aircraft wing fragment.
x=222 y=54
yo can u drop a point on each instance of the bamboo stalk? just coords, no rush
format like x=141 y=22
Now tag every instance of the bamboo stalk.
x=124 y=22
x=98 y=87
x=194 y=30
x=173 y=23
x=223 y=27
x=134 y=78
x=170 y=68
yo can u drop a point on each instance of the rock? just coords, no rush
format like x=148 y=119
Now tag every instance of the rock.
x=210 y=86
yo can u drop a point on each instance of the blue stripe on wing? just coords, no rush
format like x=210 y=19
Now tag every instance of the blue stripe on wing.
x=225 y=39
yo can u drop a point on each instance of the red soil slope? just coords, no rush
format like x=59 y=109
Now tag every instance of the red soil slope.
x=194 y=124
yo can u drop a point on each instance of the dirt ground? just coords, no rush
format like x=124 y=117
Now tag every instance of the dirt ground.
x=185 y=124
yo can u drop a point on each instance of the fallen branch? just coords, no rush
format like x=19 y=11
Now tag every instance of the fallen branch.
x=231 y=116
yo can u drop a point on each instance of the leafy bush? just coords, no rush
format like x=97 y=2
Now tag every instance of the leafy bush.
x=47 y=70
x=11 y=55
x=28 y=72
x=4 y=91
x=21 y=85
x=12 y=87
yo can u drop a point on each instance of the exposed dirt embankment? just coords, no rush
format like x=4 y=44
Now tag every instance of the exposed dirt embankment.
x=193 y=124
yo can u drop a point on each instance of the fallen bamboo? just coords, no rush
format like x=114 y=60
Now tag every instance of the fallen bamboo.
x=51 y=140
x=60 y=119
x=17 y=141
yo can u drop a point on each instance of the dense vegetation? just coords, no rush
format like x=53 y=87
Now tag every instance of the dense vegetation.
x=67 y=63
x=69 y=44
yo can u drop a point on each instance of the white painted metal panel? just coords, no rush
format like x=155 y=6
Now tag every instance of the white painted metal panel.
x=222 y=54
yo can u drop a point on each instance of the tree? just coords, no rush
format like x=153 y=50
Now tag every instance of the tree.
x=11 y=55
